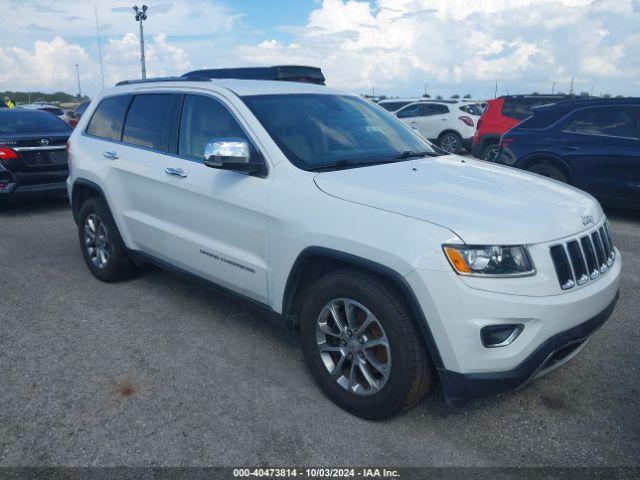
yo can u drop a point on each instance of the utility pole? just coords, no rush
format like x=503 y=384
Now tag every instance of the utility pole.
x=571 y=87
x=426 y=88
x=99 y=45
x=553 y=88
x=141 y=14
x=78 y=78
x=495 y=92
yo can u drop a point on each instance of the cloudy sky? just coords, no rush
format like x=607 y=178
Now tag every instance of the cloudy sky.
x=398 y=46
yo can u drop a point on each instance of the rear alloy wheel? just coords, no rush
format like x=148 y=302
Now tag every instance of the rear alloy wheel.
x=490 y=153
x=96 y=241
x=450 y=142
x=102 y=247
x=548 y=171
x=362 y=345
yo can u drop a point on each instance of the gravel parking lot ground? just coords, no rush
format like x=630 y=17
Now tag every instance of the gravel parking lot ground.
x=160 y=371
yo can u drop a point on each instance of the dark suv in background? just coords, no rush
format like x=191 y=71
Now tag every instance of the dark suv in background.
x=592 y=144
x=502 y=114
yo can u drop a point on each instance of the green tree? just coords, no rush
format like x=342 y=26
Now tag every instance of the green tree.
x=439 y=97
x=468 y=95
x=584 y=94
x=456 y=96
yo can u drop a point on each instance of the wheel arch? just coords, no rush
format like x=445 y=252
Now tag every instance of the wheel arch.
x=315 y=262
x=548 y=159
x=488 y=139
x=82 y=191
x=449 y=130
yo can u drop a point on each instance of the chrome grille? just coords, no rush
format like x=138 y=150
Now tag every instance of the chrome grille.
x=583 y=259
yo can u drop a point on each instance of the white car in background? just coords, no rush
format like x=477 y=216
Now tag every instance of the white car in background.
x=394 y=104
x=450 y=124
x=52 y=109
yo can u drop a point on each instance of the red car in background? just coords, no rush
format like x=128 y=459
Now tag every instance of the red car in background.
x=73 y=117
x=502 y=114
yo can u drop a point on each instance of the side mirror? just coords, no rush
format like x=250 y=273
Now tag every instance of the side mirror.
x=231 y=154
x=71 y=114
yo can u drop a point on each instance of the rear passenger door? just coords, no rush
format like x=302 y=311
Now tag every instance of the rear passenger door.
x=136 y=156
x=436 y=120
x=216 y=219
x=602 y=147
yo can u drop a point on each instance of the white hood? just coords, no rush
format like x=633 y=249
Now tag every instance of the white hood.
x=482 y=203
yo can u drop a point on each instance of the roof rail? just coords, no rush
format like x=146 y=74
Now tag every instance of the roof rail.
x=291 y=73
x=184 y=78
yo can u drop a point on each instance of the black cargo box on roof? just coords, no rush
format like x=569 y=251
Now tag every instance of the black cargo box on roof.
x=290 y=73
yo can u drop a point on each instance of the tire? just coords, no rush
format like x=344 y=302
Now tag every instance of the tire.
x=450 y=142
x=548 y=171
x=408 y=370
x=95 y=221
x=490 y=152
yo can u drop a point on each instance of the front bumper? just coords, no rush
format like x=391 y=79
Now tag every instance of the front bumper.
x=460 y=388
x=457 y=308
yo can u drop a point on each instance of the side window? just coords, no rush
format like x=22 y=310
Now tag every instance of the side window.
x=147 y=121
x=108 y=118
x=610 y=121
x=436 y=109
x=204 y=119
x=414 y=110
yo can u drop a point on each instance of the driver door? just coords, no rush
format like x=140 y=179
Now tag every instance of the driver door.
x=415 y=115
x=216 y=220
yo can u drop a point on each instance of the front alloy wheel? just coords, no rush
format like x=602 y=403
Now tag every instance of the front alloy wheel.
x=353 y=346
x=362 y=344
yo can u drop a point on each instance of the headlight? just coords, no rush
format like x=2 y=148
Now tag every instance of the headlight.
x=492 y=260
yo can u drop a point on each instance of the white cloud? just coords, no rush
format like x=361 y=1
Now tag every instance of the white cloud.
x=524 y=45
x=458 y=46
x=50 y=65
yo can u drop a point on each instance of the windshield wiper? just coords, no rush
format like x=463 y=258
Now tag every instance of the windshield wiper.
x=412 y=154
x=342 y=164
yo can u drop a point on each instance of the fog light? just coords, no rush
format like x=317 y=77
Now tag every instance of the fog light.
x=493 y=336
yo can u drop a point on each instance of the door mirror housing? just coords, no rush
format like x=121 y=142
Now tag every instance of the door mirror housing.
x=232 y=154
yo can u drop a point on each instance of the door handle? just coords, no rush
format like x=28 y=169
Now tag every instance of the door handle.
x=176 y=172
x=110 y=154
x=413 y=122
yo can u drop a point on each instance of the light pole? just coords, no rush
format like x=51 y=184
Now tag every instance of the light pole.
x=78 y=78
x=141 y=14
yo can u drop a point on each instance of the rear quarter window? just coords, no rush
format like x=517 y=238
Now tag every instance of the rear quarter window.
x=147 y=121
x=106 y=122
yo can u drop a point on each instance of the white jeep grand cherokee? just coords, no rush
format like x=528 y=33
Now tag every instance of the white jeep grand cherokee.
x=400 y=267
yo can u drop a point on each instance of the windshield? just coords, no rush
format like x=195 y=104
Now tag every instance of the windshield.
x=25 y=121
x=319 y=130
